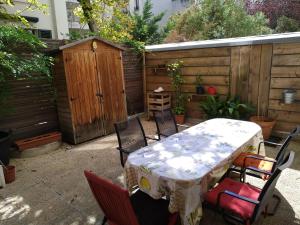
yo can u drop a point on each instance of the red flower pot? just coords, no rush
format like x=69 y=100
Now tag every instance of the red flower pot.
x=212 y=91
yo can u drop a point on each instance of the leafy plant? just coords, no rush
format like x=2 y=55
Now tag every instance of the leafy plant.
x=20 y=58
x=285 y=24
x=216 y=107
x=211 y=19
x=174 y=71
x=199 y=80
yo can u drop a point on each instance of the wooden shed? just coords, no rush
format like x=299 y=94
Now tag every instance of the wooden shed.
x=89 y=80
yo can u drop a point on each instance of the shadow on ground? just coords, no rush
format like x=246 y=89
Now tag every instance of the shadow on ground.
x=51 y=189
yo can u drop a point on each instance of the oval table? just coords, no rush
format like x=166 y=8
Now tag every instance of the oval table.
x=185 y=165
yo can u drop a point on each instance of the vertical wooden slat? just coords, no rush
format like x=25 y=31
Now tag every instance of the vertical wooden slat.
x=244 y=66
x=234 y=69
x=254 y=75
x=264 y=79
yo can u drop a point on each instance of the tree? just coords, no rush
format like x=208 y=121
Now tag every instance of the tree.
x=211 y=19
x=30 y=5
x=106 y=18
x=274 y=9
x=146 y=28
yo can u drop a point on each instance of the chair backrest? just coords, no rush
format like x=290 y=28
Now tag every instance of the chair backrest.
x=131 y=135
x=282 y=151
x=113 y=200
x=165 y=123
x=268 y=189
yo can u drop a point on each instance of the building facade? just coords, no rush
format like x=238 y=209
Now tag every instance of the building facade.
x=53 y=25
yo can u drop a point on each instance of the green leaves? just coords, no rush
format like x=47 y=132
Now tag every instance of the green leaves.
x=216 y=107
x=212 y=19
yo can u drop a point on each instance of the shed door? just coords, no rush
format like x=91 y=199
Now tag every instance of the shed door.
x=110 y=69
x=84 y=91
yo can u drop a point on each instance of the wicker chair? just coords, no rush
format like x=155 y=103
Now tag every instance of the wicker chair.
x=243 y=202
x=120 y=209
x=131 y=137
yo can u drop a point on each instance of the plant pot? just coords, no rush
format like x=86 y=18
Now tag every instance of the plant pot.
x=9 y=174
x=200 y=90
x=212 y=90
x=265 y=123
x=5 y=142
x=179 y=119
x=288 y=96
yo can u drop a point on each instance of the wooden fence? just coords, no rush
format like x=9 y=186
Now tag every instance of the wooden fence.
x=33 y=104
x=256 y=69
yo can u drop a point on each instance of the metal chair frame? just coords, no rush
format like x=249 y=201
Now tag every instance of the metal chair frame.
x=120 y=148
x=159 y=133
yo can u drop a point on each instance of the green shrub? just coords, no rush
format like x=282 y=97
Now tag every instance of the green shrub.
x=286 y=24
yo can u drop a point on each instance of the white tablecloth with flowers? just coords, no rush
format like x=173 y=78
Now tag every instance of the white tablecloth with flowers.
x=185 y=165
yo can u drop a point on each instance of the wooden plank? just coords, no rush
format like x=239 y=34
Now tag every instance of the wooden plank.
x=285 y=83
x=287 y=116
x=290 y=48
x=286 y=60
x=276 y=94
x=244 y=66
x=223 y=90
x=206 y=80
x=285 y=71
x=201 y=61
x=235 y=61
x=264 y=81
x=284 y=127
x=213 y=70
x=254 y=75
x=278 y=105
x=204 y=52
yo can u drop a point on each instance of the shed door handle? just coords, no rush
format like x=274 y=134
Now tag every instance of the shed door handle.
x=99 y=95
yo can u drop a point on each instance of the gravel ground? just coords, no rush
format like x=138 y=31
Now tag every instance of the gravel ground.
x=50 y=189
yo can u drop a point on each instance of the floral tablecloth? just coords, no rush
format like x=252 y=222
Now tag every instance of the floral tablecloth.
x=185 y=165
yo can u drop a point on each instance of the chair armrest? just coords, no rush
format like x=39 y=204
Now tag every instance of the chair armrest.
x=257 y=170
x=267 y=142
x=232 y=194
x=260 y=158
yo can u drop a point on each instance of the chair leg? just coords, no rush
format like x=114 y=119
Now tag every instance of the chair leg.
x=122 y=159
x=278 y=201
x=104 y=220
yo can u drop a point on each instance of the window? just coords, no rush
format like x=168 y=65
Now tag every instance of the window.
x=41 y=33
x=137 y=5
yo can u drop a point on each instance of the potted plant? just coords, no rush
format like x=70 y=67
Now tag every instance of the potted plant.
x=199 y=87
x=174 y=71
x=266 y=123
x=229 y=107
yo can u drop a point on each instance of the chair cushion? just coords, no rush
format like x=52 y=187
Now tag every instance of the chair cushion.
x=236 y=206
x=150 y=211
x=260 y=164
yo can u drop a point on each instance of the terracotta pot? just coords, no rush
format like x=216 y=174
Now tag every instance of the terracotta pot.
x=9 y=174
x=265 y=123
x=179 y=119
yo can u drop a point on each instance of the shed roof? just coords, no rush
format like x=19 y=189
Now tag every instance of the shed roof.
x=228 y=42
x=89 y=39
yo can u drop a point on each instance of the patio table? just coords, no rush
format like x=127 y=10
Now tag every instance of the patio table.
x=185 y=165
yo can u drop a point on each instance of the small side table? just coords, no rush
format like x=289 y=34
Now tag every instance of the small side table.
x=158 y=102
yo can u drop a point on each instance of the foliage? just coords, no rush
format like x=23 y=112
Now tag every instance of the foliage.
x=285 y=24
x=174 y=71
x=211 y=19
x=20 y=57
x=75 y=35
x=106 y=17
x=146 y=28
x=30 y=5
x=216 y=107
x=199 y=80
x=274 y=9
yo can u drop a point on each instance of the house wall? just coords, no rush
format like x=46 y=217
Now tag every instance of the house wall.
x=258 y=73
x=55 y=19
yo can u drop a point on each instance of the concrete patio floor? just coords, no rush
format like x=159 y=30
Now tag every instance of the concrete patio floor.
x=51 y=189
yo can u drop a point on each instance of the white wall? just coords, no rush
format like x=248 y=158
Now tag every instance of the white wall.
x=168 y=6
x=55 y=20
